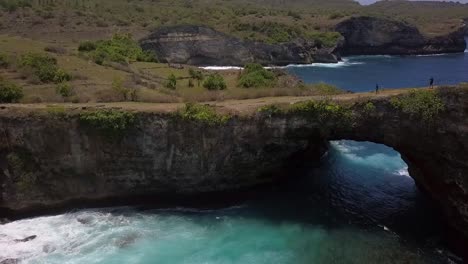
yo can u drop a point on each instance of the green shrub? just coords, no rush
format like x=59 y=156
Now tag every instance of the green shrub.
x=214 y=82
x=87 y=46
x=326 y=89
x=425 y=104
x=197 y=75
x=44 y=67
x=270 y=110
x=121 y=49
x=4 y=61
x=326 y=39
x=171 y=82
x=110 y=122
x=64 y=89
x=118 y=86
x=369 y=108
x=62 y=76
x=10 y=92
x=202 y=113
x=323 y=111
x=254 y=75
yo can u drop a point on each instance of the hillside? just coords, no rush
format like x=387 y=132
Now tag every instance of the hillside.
x=56 y=28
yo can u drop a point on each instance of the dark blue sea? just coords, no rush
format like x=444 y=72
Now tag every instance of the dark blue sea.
x=362 y=73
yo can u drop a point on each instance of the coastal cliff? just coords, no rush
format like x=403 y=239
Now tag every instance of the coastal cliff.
x=377 y=36
x=51 y=158
x=198 y=45
x=203 y=46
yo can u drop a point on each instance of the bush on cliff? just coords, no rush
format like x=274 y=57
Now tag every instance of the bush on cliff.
x=254 y=75
x=425 y=104
x=111 y=122
x=204 y=114
x=323 y=112
x=214 y=82
x=44 y=67
x=10 y=92
x=121 y=49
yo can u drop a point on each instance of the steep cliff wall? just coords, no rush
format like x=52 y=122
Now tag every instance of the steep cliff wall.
x=198 y=45
x=371 y=36
x=47 y=159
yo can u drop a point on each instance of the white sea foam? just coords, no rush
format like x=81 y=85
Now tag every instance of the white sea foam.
x=221 y=68
x=432 y=55
x=344 y=63
x=390 y=163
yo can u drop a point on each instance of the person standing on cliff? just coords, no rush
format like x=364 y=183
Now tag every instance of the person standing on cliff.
x=377 y=88
x=431 y=82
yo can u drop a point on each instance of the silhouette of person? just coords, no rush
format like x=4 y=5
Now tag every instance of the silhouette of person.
x=431 y=82
x=377 y=88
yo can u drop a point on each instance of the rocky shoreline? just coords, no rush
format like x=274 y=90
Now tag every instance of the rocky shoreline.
x=203 y=46
x=377 y=36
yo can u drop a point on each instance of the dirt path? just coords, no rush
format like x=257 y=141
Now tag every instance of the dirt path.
x=237 y=106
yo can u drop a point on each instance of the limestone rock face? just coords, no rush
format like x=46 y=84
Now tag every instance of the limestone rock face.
x=371 y=36
x=197 y=45
x=48 y=160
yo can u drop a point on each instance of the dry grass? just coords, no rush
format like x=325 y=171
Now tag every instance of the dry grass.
x=94 y=83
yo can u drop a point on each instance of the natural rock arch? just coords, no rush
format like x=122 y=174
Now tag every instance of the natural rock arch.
x=48 y=161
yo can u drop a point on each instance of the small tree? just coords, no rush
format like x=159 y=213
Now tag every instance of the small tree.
x=118 y=86
x=171 y=82
x=10 y=92
x=64 y=89
x=214 y=82
x=197 y=75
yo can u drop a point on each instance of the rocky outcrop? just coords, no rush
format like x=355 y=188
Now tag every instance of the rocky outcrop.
x=197 y=45
x=47 y=160
x=375 y=36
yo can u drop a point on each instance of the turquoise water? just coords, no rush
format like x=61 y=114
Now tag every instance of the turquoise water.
x=362 y=73
x=358 y=206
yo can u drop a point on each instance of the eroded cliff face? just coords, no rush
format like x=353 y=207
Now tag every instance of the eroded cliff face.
x=375 y=36
x=197 y=45
x=47 y=160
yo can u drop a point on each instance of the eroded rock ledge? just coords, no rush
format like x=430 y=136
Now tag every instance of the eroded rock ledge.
x=51 y=158
x=198 y=45
x=377 y=36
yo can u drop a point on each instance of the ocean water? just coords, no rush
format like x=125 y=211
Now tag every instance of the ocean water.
x=358 y=206
x=362 y=73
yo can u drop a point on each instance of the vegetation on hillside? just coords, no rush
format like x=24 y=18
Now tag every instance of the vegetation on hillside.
x=254 y=75
x=425 y=104
x=121 y=49
x=43 y=67
x=10 y=92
